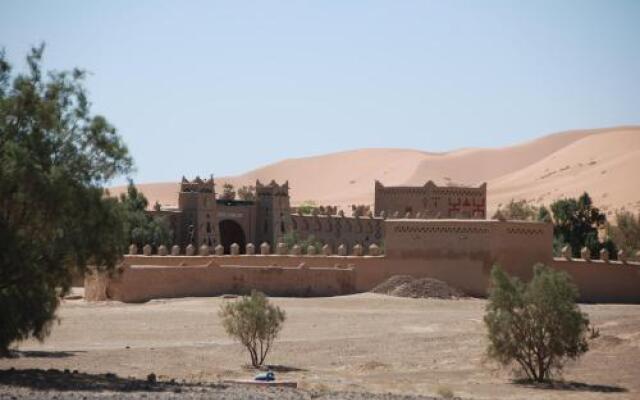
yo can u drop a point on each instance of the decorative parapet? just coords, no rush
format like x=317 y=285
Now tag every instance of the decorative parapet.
x=162 y=250
x=374 y=250
x=566 y=252
x=190 y=250
x=622 y=256
x=585 y=254
x=357 y=250
x=326 y=250
x=175 y=250
x=218 y=250
x=265 y=249
x=604 y=255
x=311 y=250
x=203 y=250
x=281 y=249
x=251 y=249
x=234 y=249
x=296 y=250
x=342 y=250
x=146 y=250
x=133 y=249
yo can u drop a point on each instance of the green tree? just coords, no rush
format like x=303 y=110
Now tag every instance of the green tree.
x=537 y=325
x=247 y=193
x=55 y=217
x=228 y=192
x=517 y=210
x=576 y=222
x=140 y=226
x=254 y=322
x=292 y=238
x=626 y=232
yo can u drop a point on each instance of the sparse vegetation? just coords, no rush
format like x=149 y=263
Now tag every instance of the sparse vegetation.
x=537 y=325
x=306 y=207
x=445 y=392
x=228 y=192
x=626 y=232
x=517 y=210
x=292 y=238
x=55 y=159
x=254 y=322
x=247 y=193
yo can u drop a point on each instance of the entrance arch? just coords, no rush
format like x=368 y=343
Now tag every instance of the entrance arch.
x=231 y=232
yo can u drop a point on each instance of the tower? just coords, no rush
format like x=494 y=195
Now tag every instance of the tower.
x=273 y=212
x=197 y=200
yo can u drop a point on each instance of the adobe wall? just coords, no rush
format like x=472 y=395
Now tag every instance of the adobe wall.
x=140 y=283
x=460 y=253
x=603 y=282
x=337 y=230
x=431 y=200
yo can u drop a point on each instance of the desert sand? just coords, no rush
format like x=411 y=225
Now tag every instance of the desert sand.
x=363 y=343
x=599 y=161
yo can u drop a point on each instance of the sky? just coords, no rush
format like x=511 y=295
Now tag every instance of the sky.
x=208 y=87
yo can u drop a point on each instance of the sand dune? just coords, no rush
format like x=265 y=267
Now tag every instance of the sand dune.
x=603 y=162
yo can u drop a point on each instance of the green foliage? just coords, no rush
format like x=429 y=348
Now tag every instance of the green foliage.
x=306 y=207
x=254 y=322
x=55 y=217
x=517 y=210
x=292 y=238
x=140 y=227
x=544 y=215
x=538 y=324
x=576 y=222
x=247 y=193
x=626 y=232
x=228 y=192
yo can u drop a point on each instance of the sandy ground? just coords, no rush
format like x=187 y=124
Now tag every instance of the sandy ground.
x=599 y=161
x=365 y=342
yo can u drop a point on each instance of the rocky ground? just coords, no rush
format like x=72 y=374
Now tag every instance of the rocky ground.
x=349 y=347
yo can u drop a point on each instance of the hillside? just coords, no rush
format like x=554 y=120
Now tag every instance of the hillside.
x=602 y=162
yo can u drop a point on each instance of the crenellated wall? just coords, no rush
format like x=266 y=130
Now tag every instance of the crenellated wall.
x=458 y=252
x=337 y=230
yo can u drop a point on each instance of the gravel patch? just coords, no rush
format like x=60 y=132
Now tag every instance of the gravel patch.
x=408 y=286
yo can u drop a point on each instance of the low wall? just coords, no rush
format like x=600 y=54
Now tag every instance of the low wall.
x=460 y=253
x=600 y=282
x=138 y=283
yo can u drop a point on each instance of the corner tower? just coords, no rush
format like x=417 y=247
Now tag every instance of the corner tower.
x=273 y=212
x=197 y=200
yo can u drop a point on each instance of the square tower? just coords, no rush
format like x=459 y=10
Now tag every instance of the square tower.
x=273 y=212
x=197 y=201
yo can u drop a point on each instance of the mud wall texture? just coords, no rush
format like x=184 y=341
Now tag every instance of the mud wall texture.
x=460 y=253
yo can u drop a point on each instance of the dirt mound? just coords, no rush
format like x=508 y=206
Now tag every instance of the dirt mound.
x=408 y=286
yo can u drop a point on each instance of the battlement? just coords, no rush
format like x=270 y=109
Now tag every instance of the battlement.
x=272 y=188
x=197 y=185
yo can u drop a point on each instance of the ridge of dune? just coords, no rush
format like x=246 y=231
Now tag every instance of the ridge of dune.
x=347 y=177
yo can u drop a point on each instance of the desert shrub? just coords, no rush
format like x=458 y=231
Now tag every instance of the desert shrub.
x=445 y=392
x=254 y=322
x=517 y=210
x=537 y=325
x=247 y=193
x=228 y=192
x=626 y=232
x=306 y=207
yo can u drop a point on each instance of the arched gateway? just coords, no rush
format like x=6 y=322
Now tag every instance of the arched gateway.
x=231 y=232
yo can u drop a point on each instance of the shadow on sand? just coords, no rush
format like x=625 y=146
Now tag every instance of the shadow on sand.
x=43 y=354
x=571 y=386
x=53 y=379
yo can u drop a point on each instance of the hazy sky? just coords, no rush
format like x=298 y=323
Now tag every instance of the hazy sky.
x=224 y=87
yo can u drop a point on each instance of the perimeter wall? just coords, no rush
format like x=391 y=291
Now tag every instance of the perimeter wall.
x=460 y=253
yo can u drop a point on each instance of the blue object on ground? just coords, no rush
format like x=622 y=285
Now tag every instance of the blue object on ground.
x=266 y=376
